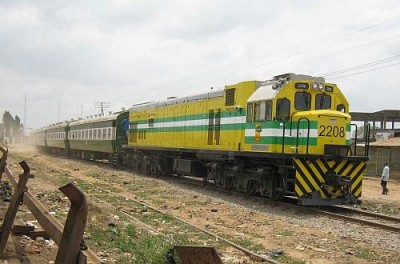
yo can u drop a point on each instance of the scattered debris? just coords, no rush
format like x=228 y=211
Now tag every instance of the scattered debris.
x=275 y=253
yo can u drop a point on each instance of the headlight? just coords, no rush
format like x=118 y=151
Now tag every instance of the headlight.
x=318 y=86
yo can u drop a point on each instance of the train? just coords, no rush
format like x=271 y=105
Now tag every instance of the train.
x=287 y=136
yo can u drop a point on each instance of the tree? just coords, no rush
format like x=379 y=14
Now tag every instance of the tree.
x=16 y=127
x=8 y=121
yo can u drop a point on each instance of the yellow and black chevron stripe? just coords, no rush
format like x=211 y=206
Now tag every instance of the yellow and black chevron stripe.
x=310 y=175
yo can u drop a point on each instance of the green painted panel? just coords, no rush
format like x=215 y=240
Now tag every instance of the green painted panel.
x=92 y=145
x=278 y=140
x=202 y=116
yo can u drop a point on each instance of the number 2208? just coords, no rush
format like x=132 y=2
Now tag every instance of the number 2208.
x=331 y=131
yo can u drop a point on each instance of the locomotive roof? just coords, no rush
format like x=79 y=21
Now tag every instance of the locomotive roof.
x=94 y=119
x=270 y=88
x=57 y=125
x=179 y=100
x=264 y=92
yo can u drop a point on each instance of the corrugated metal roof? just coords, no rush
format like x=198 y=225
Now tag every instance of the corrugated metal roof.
x=392 y=142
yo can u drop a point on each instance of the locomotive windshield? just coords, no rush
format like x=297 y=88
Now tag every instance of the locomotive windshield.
x=322 y=101
x=302 y=101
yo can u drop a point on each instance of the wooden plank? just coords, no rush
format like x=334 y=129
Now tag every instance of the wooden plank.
x=198 y=255
x=13 y=207
x=52 y=226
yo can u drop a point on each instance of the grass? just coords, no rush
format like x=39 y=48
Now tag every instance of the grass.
x=142 y=247
x=286 y=233
x=289 y=260
x=383 y=208
x=365 y=253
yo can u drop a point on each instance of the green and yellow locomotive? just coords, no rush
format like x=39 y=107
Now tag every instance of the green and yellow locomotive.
x=289 y=136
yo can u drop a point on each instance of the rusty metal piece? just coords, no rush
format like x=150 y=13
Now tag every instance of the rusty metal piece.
x=198 y=255
x=13 y=207
x=69 y=248
x=52 y=226
x=3 y=160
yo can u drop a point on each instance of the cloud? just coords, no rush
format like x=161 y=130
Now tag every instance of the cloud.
x=66 y=55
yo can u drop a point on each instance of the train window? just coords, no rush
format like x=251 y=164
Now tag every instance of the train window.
x=249 y=113
x=262 y=111
x=268 y=111
x=341 y=108
x=323 y=101
x=283 y=109
x=302 y=101
x=109 y=133
x=259 y=111
x=104 y=133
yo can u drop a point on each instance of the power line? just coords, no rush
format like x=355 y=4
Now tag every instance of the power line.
x=373 y=69
x=362 y=66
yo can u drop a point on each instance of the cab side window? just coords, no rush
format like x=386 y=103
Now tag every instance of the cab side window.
x=282 y=109
x=341 y=108
x=249 y=117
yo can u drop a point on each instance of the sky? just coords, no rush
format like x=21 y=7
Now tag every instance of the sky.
x=60 y=59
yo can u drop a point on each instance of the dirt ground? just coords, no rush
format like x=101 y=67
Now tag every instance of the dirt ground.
x=319 y=240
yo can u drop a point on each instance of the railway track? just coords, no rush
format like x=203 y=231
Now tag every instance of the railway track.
x=370 y=219
x=363 y=218
x=100 y=193
x=347 y=214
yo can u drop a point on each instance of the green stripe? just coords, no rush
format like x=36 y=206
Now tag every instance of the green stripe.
x=202 y=116
x=278 y=140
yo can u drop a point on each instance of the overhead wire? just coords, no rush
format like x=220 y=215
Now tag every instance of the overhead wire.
x=325 y=39
x=361 y=66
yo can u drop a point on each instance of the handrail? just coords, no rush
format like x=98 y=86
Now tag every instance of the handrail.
x=283 y=136
x=308 y=133
x=355 y=139
x=367 y=131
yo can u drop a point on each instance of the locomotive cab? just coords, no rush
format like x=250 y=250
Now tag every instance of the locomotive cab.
x=307 y=121
x=298 y=114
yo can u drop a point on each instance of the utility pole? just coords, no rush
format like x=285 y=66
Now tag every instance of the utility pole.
x=101 y=106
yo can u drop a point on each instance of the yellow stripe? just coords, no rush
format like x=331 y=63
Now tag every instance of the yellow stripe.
x=309 y=177
x=298 y=190
x=341 y=165
x=300 y=180
x=319 y=176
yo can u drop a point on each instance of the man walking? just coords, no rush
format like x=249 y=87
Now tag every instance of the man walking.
x=385 y=178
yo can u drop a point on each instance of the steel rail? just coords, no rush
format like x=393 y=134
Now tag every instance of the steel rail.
x=358 y=220
x=323 y=212
x=366 y=213
x=244 y=250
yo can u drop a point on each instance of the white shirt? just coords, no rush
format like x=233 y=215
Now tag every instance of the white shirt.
x=385 y=173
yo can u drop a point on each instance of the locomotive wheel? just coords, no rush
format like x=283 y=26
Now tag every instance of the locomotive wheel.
x=279 y=188
x=252 y=188
x=229 y=183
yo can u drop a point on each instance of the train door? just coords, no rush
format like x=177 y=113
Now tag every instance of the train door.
x=214 y=127
x=133 y=133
